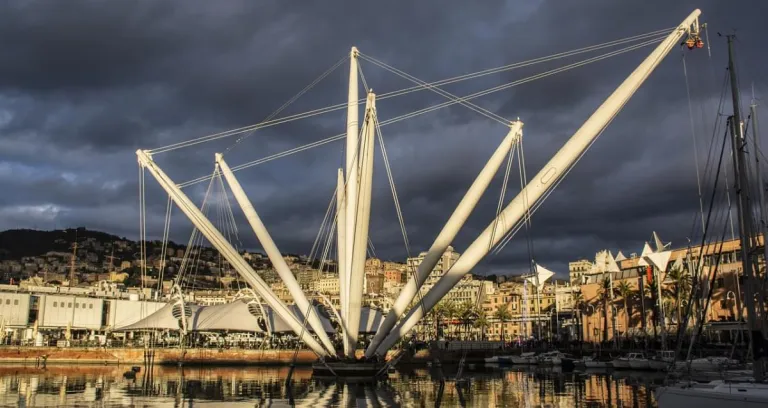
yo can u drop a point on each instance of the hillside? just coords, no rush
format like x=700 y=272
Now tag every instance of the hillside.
x=17 y=243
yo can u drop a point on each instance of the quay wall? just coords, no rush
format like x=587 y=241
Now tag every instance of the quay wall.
x=39 y=356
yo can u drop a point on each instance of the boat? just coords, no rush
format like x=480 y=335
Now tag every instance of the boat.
x=662 y=361
x=637 y=361
x=708 y=364
x=620 y=363
x=525 y=358
x=746 y=392
x=551 y=358
x=597 y=362
x=715 y=394
x=499 y=360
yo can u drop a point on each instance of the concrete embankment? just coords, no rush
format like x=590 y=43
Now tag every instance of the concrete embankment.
x=197 y=356
x=136 y=356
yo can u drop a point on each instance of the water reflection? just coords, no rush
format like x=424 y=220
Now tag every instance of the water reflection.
x=266 y=387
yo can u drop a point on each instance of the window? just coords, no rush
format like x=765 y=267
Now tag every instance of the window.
x=16 y=302
x=76 y=306
x=7 y=301
x=55 y=304
x=69 y=304
x=90 y=306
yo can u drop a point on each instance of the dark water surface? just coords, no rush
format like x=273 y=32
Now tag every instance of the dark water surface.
x=265 y=387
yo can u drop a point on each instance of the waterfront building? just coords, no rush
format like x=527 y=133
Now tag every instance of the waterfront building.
x=641 y=316
x=577 y=269
x=443 y=265
x=328 y=284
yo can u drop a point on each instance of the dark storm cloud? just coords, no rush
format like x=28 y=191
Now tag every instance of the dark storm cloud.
x=83 y=84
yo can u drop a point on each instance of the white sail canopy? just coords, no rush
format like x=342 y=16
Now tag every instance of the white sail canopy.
x=235 y=316
x=659 y=259
x=542 y=275
x=163 y=319
x=646 y=251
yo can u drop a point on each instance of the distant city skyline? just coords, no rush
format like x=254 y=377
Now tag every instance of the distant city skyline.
x=83 y=86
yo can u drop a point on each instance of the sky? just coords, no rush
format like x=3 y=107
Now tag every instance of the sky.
x=84 y=84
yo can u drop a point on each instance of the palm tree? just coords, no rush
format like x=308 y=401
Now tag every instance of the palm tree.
x=681 y=285
x=451 y=310
x=466 y=313
x=578 y=304
x=650 y=289
x=481 y=322
x=605 y=299
x=438 y=313
x=503 y=315
x=626 y=292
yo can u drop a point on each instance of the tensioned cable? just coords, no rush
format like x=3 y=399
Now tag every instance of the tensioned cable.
x=428 y=109
x=537 y=204
x=323 y=224
x=447 y=95
x=504 y=183
x=693 y=137
x=392 y=187
x=164 y=247
x=193 y=238
x=340 y=106
x=504 y=241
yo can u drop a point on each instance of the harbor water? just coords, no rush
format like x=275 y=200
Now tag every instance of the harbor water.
x=110 y=386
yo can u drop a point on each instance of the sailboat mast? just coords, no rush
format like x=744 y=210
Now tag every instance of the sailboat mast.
x=761 y=196
x=744 y=208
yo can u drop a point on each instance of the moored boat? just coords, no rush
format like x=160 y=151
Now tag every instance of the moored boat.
x=552 y=358
x=662 y=361
x=715 y=394
x=499 y=360
x=597 y=362
x=525 y=358
x=637 y=361
x=620 y=363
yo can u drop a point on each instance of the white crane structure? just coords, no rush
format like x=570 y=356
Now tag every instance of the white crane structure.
x=353 y=200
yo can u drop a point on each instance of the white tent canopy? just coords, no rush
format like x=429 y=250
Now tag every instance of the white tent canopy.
x=162 y=319
x=241 y=315
x=235 y=316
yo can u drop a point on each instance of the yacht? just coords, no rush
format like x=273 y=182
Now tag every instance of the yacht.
x=597 y=362
x=662 y=361
x=737 y=392
x=708 y=364
x=525 y=358
x=552 y=358
x=499 y=360
x=715 y=394
x=621 y=363
x=637 y=361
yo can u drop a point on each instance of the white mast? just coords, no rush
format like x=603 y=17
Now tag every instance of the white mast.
x=548 y=177
x=341 y=230
x=351 y=178
x=274 y=254
x=230 y=254
x=447 y=234
x=363 y=217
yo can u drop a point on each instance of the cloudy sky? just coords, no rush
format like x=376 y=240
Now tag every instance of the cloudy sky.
x=83 y=84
